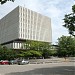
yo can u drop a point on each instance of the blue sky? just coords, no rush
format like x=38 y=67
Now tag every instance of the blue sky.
x=55 y=9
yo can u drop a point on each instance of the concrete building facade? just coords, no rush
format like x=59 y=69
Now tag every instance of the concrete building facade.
x=24 y=24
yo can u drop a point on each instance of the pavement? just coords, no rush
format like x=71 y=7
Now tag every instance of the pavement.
x=63 y=68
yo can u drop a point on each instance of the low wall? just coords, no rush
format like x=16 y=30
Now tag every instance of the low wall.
x=52 y=60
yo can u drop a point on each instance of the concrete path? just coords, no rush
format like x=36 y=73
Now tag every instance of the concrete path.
x=64 y=68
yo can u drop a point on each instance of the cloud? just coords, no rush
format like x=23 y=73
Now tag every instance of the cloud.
x=32 y=4
x=55 y=9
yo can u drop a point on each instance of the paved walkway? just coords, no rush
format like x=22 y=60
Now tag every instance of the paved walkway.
x=64 y=68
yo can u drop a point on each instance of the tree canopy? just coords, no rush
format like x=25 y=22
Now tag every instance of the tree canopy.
x=4 y=1
x=66 y=46
x=69 y=21
x=7 y=54
x=30 y=53
x=36 y=47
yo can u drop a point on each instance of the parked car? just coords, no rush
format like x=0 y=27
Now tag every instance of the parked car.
x=12 y=62
x=23 y=62
x=4 y=62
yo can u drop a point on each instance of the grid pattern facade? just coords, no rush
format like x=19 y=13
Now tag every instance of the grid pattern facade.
x=34 y=26
x=24 y=24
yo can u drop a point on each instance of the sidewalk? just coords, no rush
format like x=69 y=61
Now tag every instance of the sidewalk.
x=53 y=60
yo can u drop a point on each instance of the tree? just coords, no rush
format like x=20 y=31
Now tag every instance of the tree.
x=7 y=54
x=43 y=47
x=35 y=53
x=4 y=1
x=35 y=45
x=69 y=21
x=66 y=46
x=26 y=45
x=30 y=53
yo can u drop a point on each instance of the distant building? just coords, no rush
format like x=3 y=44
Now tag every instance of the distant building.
x=54 y=47
x=23 y=24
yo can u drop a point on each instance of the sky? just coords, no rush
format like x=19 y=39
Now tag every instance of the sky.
x=54 y=9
